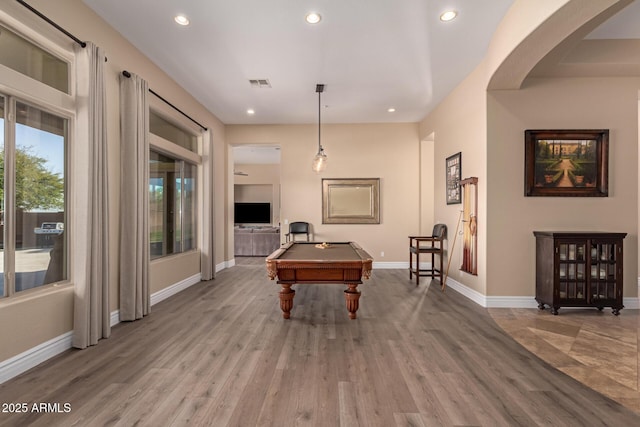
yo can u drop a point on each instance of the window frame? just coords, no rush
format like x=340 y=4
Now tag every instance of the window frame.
x=54 y=43
x=49 y=48
x=179 y=153
x=18 y=87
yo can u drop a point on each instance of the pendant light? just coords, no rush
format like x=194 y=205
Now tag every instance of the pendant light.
x=320 y=160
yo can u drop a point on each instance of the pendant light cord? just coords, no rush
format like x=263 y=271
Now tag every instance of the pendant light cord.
x=319 y=122
x=319 y=89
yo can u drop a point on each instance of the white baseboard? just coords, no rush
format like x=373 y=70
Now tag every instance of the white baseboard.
x=115 y=318
x=170 y=291
x=630 y=303
x=390 y=265
x=28 y=359
x=34 y=356
x=225 y=264
x=473 y=295
x=633 y=303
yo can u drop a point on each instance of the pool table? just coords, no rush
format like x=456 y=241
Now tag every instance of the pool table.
x=313 y=262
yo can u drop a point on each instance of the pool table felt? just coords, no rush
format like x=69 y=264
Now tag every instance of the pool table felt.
x=308 y=251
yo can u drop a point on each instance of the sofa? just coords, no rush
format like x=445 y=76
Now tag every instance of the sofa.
x=255 y=240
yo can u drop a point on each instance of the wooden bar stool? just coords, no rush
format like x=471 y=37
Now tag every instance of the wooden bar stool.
x=433 y=245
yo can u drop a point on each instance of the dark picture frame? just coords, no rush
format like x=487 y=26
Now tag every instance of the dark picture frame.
x=566 y=163
x=453 y=176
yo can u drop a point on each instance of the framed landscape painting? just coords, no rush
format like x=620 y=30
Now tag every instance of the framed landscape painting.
x=571 y=163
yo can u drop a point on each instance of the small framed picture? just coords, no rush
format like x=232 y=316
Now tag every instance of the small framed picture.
x=454 y=174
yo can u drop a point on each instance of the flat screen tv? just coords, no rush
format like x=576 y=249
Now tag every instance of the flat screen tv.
x=252 y=213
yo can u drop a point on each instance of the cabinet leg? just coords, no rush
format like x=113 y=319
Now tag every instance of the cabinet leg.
x=616 y=311
x=554 y=310
x=540 y=306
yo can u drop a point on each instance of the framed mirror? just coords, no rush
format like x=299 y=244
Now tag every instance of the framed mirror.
x=351 y=201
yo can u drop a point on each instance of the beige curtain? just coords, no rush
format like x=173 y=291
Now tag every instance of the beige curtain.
x=134 y=198
x=90 y=233
x=207 y=213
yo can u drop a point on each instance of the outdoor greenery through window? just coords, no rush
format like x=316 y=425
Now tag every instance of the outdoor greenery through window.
x=172 y=205
x=32 y=195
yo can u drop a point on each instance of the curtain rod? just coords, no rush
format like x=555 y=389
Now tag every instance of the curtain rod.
x=128 y=74
x=58 y=27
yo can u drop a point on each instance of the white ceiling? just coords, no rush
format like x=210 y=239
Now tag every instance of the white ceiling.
x=371 y=54
x=624 y=25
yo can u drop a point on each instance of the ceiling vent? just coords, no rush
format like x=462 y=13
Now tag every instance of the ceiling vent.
x=259 y=83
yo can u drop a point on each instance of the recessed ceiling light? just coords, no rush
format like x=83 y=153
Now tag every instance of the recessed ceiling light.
x=251 y=111
x=181 y=19
x=313 y=18
x=391 y=110
x=449 y=15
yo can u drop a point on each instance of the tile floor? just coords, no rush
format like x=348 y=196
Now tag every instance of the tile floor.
x=596 y=348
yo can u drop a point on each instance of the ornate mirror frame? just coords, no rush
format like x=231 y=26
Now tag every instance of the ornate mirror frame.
x=351 y=201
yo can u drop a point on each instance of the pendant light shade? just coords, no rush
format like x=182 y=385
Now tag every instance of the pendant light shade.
x=320 y=159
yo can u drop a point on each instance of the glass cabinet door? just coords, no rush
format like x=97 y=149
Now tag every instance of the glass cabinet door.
x=603 y=262
x=572 y=269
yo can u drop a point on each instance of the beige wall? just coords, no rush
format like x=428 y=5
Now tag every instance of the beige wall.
x=167 y=271
x=426 y=187
x=390 y=152
x=51 y=310
x=34 y=318
x=463 y=122
x=459 y=125
x=253 y=193
x=468 y=121
x=578 y=103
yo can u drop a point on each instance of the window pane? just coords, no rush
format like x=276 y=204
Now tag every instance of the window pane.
x=28 y=59
x=41 y=249
x=163 y=213
x=2 y=287
x=177 y=204
x=156 y=206
x=167 y=130
x=172 y=205
x=189 y=210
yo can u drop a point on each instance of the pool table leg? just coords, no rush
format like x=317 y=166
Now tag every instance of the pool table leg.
x=352 y=296
x=286 y=299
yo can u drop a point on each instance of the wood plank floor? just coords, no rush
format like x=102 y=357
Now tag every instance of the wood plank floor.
x=220 y=354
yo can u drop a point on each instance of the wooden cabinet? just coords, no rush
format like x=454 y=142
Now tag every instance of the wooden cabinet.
x=576 y=269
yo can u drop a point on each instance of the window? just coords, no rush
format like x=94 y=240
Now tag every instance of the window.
x=28 y=59
x=35 y=129
x=158 y=125
x=33 y=246
x=173 y=171
x=172 y=205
